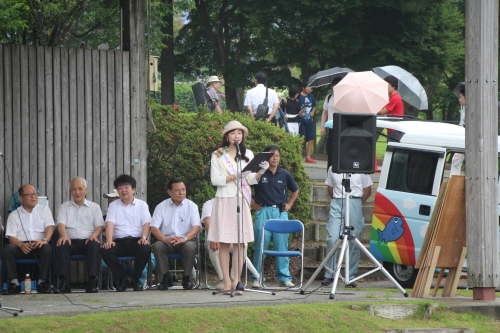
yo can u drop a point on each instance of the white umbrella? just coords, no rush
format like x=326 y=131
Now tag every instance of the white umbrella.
x=409 y=87
x=360 y=92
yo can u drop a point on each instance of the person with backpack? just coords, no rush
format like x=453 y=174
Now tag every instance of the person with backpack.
x=255 y=98
x=213 y=87
x=327 y=115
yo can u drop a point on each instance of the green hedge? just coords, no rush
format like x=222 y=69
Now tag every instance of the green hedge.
x=182 y=144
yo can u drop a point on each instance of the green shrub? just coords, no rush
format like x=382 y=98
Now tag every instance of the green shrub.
x=182 y=144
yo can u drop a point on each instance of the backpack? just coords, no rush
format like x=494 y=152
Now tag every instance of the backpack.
x=201 y=96
x=262 y=109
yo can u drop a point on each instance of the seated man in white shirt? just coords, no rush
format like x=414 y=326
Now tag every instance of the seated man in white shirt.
x=127 y=233
x=80 y=223
x=176 y=222
x=29 y=229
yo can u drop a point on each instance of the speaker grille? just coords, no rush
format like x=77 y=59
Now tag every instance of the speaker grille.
x=355 y=153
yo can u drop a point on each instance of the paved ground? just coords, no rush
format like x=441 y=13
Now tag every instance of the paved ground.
x=77 y=303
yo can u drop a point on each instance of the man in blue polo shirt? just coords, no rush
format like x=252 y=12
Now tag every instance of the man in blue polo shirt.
x=271 y=202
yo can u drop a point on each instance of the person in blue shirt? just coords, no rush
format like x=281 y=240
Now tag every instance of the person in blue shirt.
x=307 y=127
x=271 y=201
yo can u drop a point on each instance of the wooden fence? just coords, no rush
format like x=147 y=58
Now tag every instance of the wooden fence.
x=66 y=113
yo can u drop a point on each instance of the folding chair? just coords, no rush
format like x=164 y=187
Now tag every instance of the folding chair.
x=195 y=271
x=82 y=257
x=282 y=227
x=148 y=283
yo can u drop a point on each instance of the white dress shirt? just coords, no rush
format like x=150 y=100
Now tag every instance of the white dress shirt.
x=328 y=105
x=80 y=222
x=27 y=226
x=256 y=96
x=358 y=183
x=206 y=211
x=128 y=220
x=174 y=220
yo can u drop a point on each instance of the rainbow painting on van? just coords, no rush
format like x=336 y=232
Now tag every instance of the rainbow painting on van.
x=391 y=236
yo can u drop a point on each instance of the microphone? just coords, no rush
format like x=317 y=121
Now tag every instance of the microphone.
x=237 y=145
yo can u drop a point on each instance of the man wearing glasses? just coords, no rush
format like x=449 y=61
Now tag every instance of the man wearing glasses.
x=127 y=233
x=29 y=229
x=176 y=222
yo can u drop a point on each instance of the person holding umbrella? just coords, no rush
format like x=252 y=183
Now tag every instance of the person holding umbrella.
x=395 y=105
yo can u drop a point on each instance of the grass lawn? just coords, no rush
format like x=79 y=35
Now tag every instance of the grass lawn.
x=331 y=316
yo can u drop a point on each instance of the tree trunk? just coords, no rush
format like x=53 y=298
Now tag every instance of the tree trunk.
x=167 y=58
x=232 y=100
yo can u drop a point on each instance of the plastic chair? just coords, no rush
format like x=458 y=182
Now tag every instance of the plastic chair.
x=282 y=227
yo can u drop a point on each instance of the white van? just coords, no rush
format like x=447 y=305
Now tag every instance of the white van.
x=412 y=173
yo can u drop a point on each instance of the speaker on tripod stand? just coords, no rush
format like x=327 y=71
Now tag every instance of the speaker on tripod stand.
x=354 y=142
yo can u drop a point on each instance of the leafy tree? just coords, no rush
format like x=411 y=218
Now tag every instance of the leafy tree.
x=13 y=15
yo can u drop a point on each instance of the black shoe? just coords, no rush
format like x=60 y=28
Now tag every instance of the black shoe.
x=327 y=282
x=64 y=288
x=186 y=283
x=91 y=287
x=351 y=285
x=12 y=289
x=137 y=285
x=122 y=286
x=43 y=288
x=165 y=283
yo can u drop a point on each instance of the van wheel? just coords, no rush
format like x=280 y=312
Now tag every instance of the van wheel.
x=404 y=275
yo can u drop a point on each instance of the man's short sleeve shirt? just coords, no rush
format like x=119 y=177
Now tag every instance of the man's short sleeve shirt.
x=128 y=220
x=80 y=222
x=27 y=226
x=271 y=189
x=174 y=220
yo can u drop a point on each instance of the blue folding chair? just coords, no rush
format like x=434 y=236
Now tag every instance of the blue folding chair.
x=282 y=227
x=147 y=284
x=82 y=257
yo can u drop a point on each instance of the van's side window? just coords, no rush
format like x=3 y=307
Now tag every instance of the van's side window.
x=412 y=171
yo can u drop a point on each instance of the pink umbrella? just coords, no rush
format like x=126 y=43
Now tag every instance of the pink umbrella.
x=361 y=92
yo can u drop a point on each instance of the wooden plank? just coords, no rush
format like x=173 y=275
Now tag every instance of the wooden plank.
x=33 y=115
x=481 y=141
x=450 y=288
x=103 y=160
x=127 y=159
x=118 y=114
x=89 y=142
x=438 y=282
x=8 y=111
x=96 y=127
x=41 y=118
x=73 y=119
x=25 y=115
x=430 y=273
x=65 y=136
x=57 y=130
x=80 y=106
x=111 y=158
x=49 y=128
x=452 y=228
x=16 y=114
x=5 y=191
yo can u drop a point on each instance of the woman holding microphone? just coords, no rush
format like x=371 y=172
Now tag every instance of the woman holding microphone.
x=225 y=173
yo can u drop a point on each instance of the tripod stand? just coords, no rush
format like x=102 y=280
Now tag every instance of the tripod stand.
x=344 y=252
x=12 y=311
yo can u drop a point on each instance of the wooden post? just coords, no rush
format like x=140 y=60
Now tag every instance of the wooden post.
x=133 y=40
x=481 y=141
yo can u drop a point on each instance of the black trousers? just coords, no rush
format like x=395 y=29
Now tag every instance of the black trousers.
x=11 y=253
x=126 y=247
x=91 y=251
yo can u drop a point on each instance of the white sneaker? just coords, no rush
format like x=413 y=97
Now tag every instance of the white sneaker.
x=287 y=284
x=256 y=284
x=220 y=285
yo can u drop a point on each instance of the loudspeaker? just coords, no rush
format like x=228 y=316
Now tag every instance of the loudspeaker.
x=199 y=93
x=354 y=142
